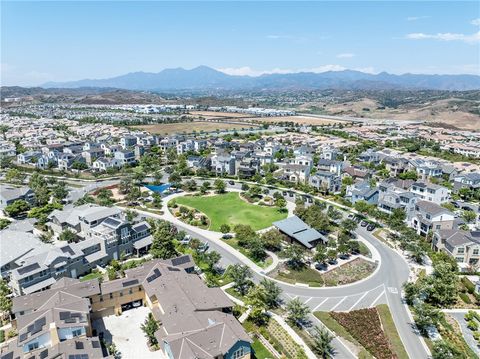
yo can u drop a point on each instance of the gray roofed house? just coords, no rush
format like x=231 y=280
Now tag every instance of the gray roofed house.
x=10 y=194
x=464 y=246
x=299 y=231
x=16 y=246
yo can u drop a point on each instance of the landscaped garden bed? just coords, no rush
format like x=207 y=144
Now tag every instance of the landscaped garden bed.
x=229 y=208
x=350 y=272
x=366 y=327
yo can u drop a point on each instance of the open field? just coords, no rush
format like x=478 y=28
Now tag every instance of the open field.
x=214 y=114
x=189 y=127
x=230 y=209
x=304 y=120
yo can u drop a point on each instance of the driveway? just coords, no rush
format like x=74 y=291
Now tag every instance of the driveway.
x=125 y=332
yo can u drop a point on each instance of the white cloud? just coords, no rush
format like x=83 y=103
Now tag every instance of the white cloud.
x=415 y=18
x=11 y=75
x=248 y=71
x=445 y=36
x=276 y=37
x=475 y=22
x=346 y=55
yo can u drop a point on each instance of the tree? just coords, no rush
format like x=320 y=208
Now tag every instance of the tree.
x=244 y=234
x=134 y=194
x=348 y=225
x=297 y=312
x=408 y=175
x=469 y=216
x=68 y=236
x=5 y=296
x=149 y=327
x=362 y=206
x=332 y=254
x=322 y=342
x=130 y=215
x=17 y=208
x=191 y=185
x=343 y=249
x=272 y=239
x=175 y=179
x=157 y=200
x=205 y=187
x=211 y=259
x=15 y=176
x=240 y=275
x=441 y=286
x=320 y=254
x=281 y=203
x=224 y=228
x=79 y=165
x=125 y=185
x=256 y=298
x=219 y=186
x=163 y=245
x=256 y=248
x=60 y=191
x=397 y=218
x=272 y=293
x=295 y=255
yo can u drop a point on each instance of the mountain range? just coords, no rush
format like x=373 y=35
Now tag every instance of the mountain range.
x=206 y=78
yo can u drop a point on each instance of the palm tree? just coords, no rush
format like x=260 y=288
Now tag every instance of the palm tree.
x=322 y=343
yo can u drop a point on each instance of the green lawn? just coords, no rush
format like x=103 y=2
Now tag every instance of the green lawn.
x=229 y=208
x=305 y=275
x=260 y=351
x=91 y=275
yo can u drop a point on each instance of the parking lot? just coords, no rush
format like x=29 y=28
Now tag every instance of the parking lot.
x=125 y=332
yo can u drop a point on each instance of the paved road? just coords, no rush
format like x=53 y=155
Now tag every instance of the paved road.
x=384 y=286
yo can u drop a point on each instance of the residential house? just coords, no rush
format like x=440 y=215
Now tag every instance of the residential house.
x=28 y=157
x=326 y=182
x=125 y=157
x=10 y=194
x=431 y=217
x=223 y=163
x=362 y=191
x=392 y=195
x=430 y=192
x=462 y=245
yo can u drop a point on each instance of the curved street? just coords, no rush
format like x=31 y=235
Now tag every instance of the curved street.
x=384 y=286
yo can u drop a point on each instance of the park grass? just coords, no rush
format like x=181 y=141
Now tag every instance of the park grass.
x=391 y=331
x=232 y=242
x=229 y=208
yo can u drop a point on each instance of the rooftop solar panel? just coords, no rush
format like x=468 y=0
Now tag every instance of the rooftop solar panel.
x=130 y=282
x=112 y=222
x=28 y=268
x=180 y=260
x=79 y=345
x=64 y=315
x=43 y=354
x=95 y=344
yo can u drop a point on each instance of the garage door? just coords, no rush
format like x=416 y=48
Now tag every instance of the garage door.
x=103 y=313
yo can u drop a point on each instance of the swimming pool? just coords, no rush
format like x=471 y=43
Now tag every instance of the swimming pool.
x=159 y=189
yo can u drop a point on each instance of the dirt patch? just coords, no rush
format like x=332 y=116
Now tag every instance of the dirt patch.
x=190 y=127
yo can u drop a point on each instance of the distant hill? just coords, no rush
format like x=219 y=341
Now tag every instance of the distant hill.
x=206 y=78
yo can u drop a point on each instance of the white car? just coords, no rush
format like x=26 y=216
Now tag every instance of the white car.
x=186 y=240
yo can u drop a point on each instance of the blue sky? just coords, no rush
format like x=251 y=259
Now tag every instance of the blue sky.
x=60 y=41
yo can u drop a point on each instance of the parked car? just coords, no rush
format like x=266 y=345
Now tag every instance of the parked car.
x=350 y=216
x=321 y=266
x=227 y=236
x=203 y=247
x=186 y=240
x=231 y=183
x=290 y=194
x=364 y=223
x=284 y=193
x=370 y=227
x=137 y=303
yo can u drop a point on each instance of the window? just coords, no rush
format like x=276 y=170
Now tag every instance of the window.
x=461 y=250
x=76 y=332
x=32 y=346
x=475 y=252
x=111 y=295
x=459 y=259
x=130 y=291
x=101 y=298
x=238 y=353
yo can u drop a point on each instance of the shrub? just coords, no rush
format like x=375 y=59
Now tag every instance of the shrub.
x=2 y=336
x=472 y=325
x=468 y=285
x=465 y=297
x=476 y=335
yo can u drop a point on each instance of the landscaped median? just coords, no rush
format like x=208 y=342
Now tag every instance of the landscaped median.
x=371 y=331
x=347 y=273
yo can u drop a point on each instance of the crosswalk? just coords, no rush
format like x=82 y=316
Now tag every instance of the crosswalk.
x=347 y=303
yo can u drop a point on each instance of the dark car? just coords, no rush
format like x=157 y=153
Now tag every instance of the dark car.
x=284 y=193
x=370 y=227
x=309 y=199
x=227 y=236
x=290 y=194
x=344 y=256
x=364 y=223
x=321 y=266
x=332 y=261
x=231 y=183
